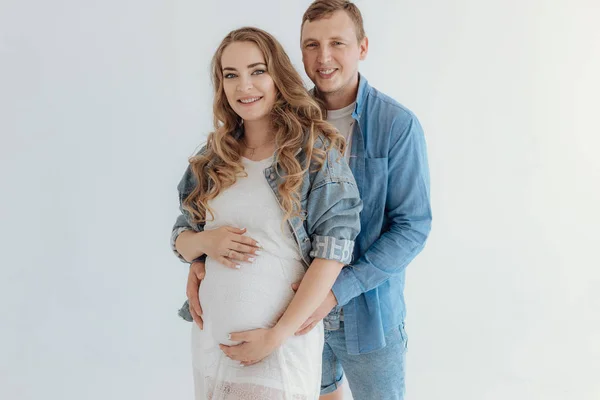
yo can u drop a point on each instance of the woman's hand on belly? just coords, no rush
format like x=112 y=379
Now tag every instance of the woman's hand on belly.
x=229 y=246
x=256 y=345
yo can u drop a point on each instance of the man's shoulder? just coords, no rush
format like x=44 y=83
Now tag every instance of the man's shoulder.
x=386 y=107
x=386 y=118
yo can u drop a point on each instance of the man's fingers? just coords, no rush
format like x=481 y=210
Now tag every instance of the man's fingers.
x=200 y=274
x=307 y=329
x=295 y=286
x=192 y=289
x=198 y=270
x=195 y=304
x=197 y=318
x=304 y=325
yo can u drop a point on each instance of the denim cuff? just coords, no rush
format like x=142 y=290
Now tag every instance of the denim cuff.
x=331 y=248
x=346 y=286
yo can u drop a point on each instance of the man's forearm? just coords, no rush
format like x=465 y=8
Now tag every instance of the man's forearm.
x=388 y=256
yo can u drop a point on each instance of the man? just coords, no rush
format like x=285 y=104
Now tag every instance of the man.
x=365 y=336
x=364 y=313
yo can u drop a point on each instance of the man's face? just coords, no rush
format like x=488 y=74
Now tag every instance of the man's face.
x=331 y=53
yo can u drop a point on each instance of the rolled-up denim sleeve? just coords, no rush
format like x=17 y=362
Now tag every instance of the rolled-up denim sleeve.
x=333 y=211
x=182 y=223
x=408 y=210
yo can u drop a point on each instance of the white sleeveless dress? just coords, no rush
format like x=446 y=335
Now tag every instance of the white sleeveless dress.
x=252 y=297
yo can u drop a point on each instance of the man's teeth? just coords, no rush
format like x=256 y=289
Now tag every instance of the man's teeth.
x=327 y=71
x=252 y=100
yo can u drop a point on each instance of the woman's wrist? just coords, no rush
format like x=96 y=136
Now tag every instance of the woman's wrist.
x=199 y=242
x=282 y=332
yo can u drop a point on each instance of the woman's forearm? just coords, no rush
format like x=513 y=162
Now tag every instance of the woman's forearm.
x=313 y=290
x=188 y=244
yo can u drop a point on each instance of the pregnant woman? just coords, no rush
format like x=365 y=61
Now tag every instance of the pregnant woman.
x=267 y=202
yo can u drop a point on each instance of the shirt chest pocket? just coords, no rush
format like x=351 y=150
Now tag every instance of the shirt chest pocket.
x=374 y=186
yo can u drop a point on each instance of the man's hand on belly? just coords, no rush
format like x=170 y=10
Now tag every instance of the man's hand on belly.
x=195 y=276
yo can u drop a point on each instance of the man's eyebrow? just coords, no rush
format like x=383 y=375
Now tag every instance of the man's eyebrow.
x=335 y=38
x=249 y=66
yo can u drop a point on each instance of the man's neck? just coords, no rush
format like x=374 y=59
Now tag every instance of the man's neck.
x=343 y=97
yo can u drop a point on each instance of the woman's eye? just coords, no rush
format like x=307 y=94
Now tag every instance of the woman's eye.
x=229 y=76
x=259 y=72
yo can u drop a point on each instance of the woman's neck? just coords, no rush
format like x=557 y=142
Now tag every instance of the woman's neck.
x=257 y=133
x=258 y=140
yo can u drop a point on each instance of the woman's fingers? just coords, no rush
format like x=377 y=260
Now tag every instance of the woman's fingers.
x=238 y=236
x=237 y=256
x=243 y=248
x=229 y=263
x=238 y=231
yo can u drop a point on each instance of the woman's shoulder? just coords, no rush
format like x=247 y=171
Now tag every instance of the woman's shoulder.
x=188 y=181
x=321 y=141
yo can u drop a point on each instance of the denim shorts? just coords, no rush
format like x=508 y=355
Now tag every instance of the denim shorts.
x=377 y=375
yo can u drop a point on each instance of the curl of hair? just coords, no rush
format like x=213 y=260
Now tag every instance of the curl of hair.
x=297 y=120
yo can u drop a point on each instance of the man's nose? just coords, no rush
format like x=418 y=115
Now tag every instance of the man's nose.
x=324 y=55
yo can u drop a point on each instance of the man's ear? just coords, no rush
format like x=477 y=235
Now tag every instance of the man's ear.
x=364 y=48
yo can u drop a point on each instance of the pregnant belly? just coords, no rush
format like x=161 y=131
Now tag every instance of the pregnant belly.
x=252 y=297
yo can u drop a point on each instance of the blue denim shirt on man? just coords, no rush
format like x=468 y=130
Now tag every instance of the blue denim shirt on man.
x=389 y=162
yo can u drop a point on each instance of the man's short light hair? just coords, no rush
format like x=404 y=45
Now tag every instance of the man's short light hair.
x=324 y=8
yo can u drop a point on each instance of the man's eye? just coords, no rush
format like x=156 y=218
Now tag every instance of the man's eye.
x=338 y=43
x=311 y=45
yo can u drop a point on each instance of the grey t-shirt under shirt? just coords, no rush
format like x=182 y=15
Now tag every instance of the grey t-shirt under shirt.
x=343 y=121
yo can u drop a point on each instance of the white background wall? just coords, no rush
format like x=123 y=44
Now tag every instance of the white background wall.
x=102 y=102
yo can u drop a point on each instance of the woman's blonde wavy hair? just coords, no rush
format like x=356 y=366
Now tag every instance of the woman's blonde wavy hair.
x=297 y=120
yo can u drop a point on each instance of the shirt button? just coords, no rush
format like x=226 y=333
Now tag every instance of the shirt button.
x=306 y=239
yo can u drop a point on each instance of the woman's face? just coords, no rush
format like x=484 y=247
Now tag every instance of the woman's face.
x=249 y=88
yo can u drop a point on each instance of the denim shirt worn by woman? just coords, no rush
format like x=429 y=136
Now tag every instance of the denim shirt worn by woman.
x=389 y=162
x=329 y=220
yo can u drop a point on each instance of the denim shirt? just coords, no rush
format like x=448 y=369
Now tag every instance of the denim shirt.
x=389 y=162
x=330 y=209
